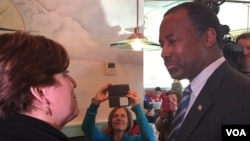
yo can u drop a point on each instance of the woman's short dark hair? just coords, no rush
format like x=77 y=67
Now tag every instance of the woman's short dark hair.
x=129 y=116
x=27 y=60
x=178 y=95
x=157 y=89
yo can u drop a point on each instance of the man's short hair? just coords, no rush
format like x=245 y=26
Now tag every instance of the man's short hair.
x=245 y=35
x=157 y=89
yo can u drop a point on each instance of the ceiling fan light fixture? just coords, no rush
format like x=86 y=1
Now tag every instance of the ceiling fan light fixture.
x=137 y=35
x=136 y=45
x=137 y=41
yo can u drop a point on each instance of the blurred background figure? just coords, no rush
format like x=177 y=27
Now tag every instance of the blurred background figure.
x=150 y=114
x=156 y=101
x=158 y=95
x=177 y=86
x=146 y=97
x=148 y=109
x=244 y=62
x=167 y=113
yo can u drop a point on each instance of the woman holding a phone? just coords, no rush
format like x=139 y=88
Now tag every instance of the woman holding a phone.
x=167 y=113
x=120 y=119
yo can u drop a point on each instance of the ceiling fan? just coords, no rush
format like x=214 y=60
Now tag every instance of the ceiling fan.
x=136 y=41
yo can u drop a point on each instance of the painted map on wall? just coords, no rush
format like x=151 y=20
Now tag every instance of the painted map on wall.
x=85 y=27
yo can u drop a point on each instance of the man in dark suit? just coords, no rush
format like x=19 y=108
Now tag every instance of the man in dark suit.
x=191 y=41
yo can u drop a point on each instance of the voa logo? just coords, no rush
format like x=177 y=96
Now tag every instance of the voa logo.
x=236 y=132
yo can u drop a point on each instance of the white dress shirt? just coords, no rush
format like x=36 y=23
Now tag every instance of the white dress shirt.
x=199 y=81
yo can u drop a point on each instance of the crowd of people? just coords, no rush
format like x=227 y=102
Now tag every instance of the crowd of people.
x=37 y=93
x=161 y=117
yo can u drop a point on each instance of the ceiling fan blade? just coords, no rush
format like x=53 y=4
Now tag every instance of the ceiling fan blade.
x=126 y=44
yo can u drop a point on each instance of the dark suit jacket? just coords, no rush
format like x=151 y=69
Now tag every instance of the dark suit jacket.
x=225 y=99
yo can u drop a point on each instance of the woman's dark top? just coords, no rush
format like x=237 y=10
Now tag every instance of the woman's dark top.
x=20 y=127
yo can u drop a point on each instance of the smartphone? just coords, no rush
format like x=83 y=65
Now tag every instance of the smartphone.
x=118 y=90
x=166 y=103
x=117 y=95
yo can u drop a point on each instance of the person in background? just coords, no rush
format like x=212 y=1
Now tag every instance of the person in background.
x=177 y=86
x=148 y=110
x=191 y=40
x=150 y=114
x=156 y=102
x=146 y=97
x=244 y=61
x=120 y=120
x=164 y=120
x=158 y=94
x=36 y=92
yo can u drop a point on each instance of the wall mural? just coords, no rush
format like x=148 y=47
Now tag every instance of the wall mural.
x=8 y=24
x=84 y=27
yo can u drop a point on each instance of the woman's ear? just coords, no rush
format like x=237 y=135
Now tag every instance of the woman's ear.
x=40 y=96
x=38 y=93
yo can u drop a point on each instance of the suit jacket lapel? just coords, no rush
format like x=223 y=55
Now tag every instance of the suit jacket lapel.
x=202 y=103
x=198 y=110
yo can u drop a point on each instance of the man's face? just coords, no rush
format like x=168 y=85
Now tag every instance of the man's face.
x=245 y=57
x=182 y=49
x=157 y=94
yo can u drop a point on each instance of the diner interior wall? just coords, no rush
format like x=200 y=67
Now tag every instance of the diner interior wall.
x=86 y=28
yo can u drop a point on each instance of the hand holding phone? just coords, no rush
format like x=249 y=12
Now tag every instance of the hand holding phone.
x=166 y=103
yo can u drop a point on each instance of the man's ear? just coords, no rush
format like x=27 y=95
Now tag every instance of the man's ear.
x=38 y=93
x=210 y=37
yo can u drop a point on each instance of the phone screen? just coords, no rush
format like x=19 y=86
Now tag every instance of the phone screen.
x=166 y=103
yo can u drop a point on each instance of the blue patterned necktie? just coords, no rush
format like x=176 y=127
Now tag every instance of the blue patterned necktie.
x=180 y=114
